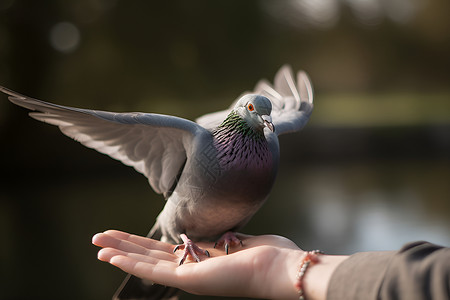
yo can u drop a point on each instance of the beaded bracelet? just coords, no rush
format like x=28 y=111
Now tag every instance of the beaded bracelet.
x=310 y=257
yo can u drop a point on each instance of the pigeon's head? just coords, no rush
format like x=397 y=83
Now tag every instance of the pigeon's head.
x=255 y=110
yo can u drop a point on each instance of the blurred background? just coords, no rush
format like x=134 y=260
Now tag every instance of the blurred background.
x=370 y=171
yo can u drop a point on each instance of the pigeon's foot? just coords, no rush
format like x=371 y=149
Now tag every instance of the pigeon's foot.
x=228 y=239
x=190 y=249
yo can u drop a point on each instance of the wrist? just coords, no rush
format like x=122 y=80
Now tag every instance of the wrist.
x=315 y=281
x=282 y=276
x=309 y=258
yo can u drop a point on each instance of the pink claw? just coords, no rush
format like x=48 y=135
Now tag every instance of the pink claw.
x=228 y=239
x=190 y=249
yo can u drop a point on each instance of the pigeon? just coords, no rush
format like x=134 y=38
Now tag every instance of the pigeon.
x=214 y=173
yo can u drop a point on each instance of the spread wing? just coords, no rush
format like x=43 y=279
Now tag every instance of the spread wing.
x=292 y=102
x=155 y=145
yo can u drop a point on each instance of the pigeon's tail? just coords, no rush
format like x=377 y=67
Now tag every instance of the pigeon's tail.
x=138 y=289
x=135 y=288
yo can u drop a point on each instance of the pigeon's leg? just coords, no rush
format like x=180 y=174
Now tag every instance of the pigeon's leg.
x=228 y=239
x=190 y=249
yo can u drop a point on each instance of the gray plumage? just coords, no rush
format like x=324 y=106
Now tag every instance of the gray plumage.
x=215 y=173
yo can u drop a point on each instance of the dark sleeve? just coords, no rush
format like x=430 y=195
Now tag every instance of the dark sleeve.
x=420 y=270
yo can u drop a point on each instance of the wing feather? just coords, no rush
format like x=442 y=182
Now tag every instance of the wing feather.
x=155 y=145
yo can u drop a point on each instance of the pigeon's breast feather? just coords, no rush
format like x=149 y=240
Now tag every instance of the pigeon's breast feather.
x=238 y=167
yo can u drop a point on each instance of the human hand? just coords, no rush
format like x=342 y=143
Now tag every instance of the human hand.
x=264 y=267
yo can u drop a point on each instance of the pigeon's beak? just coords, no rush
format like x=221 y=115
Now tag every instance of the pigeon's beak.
x=268 y=122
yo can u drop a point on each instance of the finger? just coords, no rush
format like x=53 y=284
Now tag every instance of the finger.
x=107 y=241
x=140 y=240
x=158 y=272
x=106 y=254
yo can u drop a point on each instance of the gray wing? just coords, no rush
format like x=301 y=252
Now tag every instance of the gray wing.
x=292 y=102
x=155 y=145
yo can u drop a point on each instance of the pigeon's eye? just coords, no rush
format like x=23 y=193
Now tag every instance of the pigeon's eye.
x=250 y=107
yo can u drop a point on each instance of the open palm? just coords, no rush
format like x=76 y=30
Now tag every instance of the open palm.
x=247 y=271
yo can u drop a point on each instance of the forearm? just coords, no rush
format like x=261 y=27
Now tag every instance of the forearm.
x=419 y=270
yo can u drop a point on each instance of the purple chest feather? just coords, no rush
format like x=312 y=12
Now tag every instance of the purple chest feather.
x=240 y=147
